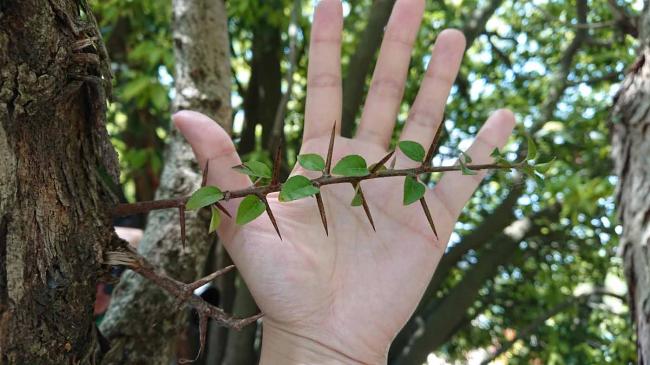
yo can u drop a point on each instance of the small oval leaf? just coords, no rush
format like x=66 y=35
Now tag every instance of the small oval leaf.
x=413 y=190
x=532 y=150
x=254 y=169
x=312 y=161
x=356 y=201
x=467 y=157
x=297 y=187
x=249 y=209
x=203 y=197
x=352 y=165
x=464 y=169
x=215 y=220
x=412 y=150
x=543 y=168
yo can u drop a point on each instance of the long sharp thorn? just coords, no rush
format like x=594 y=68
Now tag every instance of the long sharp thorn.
x=204 y=181
x=223 y=209
x=272 y=217
x=427 y=212
x=330 y=151
x=321 y=210
x=381 y=162
x=199 y=283
x=181 y=213
x=366 y=208
x=434 y=145
x=277 y=164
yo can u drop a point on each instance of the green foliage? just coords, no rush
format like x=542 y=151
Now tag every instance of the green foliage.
x=249 y=209
x=203 y=197
x=254 y=169
x=353 y=165
x=413 y=190
x=297 y=187
x=463 y=161
x=412 y=150
x=312 y=161
x=215 y=220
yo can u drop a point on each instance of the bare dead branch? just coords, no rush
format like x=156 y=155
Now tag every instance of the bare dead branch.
x=181 y=291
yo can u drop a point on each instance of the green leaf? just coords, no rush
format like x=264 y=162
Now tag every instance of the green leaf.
x=297 y=187
x=249 y=209
x=495 y=153
x=255 y=169
x=468 y=158
x=532 y=150
x=412 y=150
x=312 y=161
x=542 y=168
x=352 y=165
x=413 y=190
x=499 y=158
x=356 y=201
x=215 y=220
x=203 y=197
x=464 y=169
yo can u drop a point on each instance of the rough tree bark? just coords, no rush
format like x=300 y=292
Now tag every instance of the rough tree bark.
x=630 y=120
x=56 y=169
x=142 y=321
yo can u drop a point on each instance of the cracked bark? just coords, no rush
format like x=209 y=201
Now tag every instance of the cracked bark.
x=630 y=150
x=56 y=166
x=143 y=322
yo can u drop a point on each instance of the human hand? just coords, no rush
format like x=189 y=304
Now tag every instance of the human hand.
x=342 y=298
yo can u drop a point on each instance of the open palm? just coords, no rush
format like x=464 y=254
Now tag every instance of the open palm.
x=354 y=289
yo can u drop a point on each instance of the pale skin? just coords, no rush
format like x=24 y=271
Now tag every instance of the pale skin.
x=342 y=298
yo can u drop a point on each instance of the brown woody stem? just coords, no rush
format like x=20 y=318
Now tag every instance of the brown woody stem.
x=183 y=292
x=147 y=206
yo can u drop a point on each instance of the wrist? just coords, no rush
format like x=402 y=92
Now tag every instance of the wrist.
x=280 y=346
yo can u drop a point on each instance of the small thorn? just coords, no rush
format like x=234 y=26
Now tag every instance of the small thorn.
x=204 y=181
x=321 y=210
x=330 y=151
x=223 y=209
x=181 y=213
x=271 y=216
x=277 y=164
x=366 y=208
x=381 y=162
x=434 y=145
x=425 y=207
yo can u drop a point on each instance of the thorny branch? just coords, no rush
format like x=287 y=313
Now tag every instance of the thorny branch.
x=122 y=210
x=184 y=293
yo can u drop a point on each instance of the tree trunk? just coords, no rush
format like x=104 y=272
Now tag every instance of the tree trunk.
x=142 y=321
x=630 y=149
x=264 y=88
x=56 y=168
